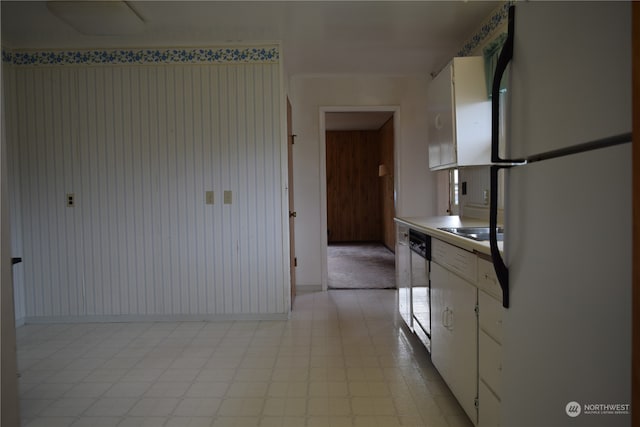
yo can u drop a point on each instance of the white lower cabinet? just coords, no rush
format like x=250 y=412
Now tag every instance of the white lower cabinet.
x=466 y=326
x=489 y=406
x=490 y=359
x=454 y=335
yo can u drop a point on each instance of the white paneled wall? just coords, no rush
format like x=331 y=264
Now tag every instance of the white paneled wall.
x=138 y=146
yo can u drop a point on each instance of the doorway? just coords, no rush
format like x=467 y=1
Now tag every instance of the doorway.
x=359 y=197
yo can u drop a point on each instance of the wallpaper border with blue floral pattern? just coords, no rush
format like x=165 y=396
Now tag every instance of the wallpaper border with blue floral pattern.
x=500 y=16
x=221 y=55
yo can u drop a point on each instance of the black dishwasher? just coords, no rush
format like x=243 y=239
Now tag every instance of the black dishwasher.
x=420 y=245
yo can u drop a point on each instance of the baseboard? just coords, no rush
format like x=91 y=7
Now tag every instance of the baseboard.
x=156 y=318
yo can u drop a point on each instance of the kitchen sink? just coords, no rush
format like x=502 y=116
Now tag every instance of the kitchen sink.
x=476 y=233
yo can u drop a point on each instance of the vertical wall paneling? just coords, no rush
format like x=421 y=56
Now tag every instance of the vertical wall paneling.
x=196 y=266
x=139 y=145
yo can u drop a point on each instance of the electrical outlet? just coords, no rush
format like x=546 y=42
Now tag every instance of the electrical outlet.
x=227 y=197
x=71 y=200
x=208 y=197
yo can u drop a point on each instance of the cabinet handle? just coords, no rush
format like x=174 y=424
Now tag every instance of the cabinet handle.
x=447 y=319
x=489 y=278
x=438 y=121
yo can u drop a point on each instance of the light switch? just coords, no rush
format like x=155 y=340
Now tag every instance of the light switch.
x=208 y=196
x=71 y=200
x=227 y=197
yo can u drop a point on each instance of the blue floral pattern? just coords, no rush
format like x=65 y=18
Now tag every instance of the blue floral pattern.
x=143 y=56
x=488 y=27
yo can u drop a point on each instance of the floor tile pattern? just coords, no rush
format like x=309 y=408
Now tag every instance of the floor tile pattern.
x=342 y=359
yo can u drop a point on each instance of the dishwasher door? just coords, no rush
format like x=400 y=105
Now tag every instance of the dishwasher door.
x=421 y=298
x=420 y=245
x=403 y=274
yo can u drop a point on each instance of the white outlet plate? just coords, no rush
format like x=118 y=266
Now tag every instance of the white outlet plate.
x=208 y=197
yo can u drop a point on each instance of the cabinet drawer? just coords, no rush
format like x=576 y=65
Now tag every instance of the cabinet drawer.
x=489 y=407
x=490 y=362
x=461 y=262
x=487 y=279
x=490 y=316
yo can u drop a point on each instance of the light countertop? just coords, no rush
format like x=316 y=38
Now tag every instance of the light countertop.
x=430 y=225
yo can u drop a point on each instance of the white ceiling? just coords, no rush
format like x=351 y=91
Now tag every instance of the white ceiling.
x=318 y=37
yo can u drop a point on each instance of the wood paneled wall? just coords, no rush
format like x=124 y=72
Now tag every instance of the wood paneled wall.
x=387 y=200
x=353 y=186
x=139 y=146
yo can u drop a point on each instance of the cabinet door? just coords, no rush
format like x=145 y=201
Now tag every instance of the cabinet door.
x=440 y=335
x=403 y=273
x=463 y=326
x=489 y=415
x=489 y=358
x=454 y=335
x=440 y=120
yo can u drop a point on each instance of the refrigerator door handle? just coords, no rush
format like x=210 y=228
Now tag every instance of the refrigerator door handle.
x=505 y=57
x=502 y=272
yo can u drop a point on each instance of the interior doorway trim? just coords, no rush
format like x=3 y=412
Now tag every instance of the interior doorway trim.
x=323 y=168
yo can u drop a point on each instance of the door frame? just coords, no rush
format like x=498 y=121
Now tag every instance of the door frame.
x=635 y=352
x=395 y=109
x=291 y=211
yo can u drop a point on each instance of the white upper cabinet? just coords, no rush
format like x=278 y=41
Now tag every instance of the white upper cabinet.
x=459 y=115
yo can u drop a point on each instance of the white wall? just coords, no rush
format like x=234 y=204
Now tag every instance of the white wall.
x=139 y=145
x=415 y=185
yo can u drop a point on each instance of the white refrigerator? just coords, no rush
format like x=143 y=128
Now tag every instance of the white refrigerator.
x=566 y=265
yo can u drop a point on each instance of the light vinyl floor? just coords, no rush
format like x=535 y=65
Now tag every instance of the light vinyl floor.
x=340 y=360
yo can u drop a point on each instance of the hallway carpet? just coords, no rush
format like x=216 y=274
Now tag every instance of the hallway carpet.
x=360 y=266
